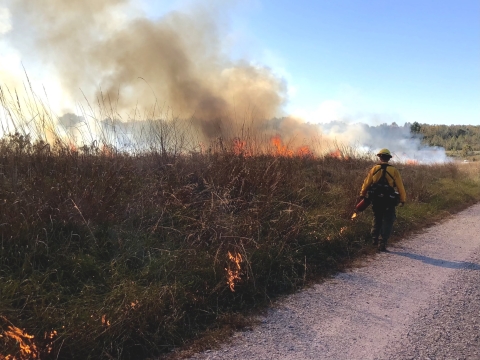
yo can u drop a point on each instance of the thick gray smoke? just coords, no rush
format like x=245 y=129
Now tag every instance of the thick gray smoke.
x=132 y=62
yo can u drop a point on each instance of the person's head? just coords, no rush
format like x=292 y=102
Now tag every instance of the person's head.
x=384 y=155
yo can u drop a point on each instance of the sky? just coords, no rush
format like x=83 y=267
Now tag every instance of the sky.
x=409 y=60
x=376 y=61
x=416 y=60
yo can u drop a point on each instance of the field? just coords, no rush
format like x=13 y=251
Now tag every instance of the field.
x=471 y=157
x=108 y=254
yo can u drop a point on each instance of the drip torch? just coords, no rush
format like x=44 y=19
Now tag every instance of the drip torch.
x=361 y=206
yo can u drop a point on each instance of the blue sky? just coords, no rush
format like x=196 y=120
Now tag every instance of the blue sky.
x=402 y=61
x=370 y=61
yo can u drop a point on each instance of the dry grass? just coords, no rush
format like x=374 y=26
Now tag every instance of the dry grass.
x=131 y=254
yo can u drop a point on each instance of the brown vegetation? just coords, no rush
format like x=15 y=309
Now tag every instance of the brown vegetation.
x=109 y=253
x=127 y=256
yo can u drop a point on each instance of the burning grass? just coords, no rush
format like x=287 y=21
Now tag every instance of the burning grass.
x=127 y=256
x=110 y=254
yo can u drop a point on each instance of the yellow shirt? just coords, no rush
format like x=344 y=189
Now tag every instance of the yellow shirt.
x=393 y=178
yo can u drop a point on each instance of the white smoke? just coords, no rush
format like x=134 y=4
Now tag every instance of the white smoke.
x=404 y=146
x=5 y=21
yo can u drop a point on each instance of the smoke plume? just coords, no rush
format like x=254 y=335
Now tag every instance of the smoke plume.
x=405 y=146
x=122 y=61
x=176 y=61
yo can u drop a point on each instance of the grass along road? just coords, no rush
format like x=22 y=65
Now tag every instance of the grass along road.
x=129 y=256
x=384 y=308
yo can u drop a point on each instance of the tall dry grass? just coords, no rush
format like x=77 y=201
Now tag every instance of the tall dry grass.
x=128 y=254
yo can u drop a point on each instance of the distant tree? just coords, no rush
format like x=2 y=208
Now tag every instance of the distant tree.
x=415 y=128
x=458 y=146
x=461 y=132
x=451 y=144
x=436 y=141
x=467 y=149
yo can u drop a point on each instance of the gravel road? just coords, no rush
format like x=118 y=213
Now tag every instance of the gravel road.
x=421 y=300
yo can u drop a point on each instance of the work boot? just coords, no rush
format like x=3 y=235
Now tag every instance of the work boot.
x=382 y=247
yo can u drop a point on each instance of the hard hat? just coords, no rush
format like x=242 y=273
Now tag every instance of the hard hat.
x=384 y=152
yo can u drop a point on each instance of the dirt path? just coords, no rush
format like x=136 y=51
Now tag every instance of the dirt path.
x=419 y=301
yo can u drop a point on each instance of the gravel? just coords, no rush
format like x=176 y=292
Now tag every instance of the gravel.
x=421 y=300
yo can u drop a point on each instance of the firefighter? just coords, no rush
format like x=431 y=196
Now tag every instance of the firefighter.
x=383 y=205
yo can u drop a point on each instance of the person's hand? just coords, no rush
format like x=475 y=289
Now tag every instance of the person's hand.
x=401 y=204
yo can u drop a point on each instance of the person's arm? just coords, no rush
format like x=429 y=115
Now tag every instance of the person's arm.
x=366 y=183
x=400 y=187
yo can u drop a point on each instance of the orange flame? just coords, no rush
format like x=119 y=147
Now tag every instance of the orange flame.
x=72 y=147
x=239 y=147
x=284 y=150
x=106 y=150
x=233 y=270
x=338 y=154
x=50 y=336
x=304 y=151
x=280 y=149
x=412 y=162
x=28 y=348
x=105 y=322
x=354 y=216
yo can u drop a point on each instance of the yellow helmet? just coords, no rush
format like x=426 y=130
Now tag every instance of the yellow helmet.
x=384 y=152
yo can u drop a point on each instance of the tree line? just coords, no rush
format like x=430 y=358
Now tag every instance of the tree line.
x=464 y=138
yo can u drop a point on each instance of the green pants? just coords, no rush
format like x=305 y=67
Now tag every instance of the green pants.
x=383 y=219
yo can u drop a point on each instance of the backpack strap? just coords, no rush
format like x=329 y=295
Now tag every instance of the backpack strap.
x=385 y=172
